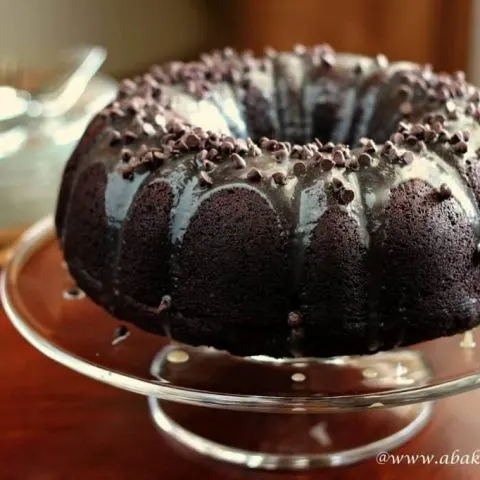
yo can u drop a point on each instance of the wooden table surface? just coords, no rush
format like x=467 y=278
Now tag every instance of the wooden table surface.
x=56 y=424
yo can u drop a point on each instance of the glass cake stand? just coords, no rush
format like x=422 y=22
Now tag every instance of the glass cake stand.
x=257 y=412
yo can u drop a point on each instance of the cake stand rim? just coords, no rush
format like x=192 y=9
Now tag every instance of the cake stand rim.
x=42 y=231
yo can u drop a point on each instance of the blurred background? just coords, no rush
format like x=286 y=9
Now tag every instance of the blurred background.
x=50 y=85
x=141 y=32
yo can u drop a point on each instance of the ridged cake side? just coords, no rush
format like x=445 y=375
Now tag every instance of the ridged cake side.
x=172 y=217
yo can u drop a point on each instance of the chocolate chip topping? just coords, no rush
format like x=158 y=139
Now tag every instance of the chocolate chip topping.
x=294 y=319
x=337 y=184
x=238 y=161
x=299 y=168
x=339 y=158
x=254 y=175
x=365 y=160
x=205 y=179
x=279 y=178
x=407 y=157
x=326 y=164
x=460 y=148
x=444 y=191
x=115 y=138
x=346 y=196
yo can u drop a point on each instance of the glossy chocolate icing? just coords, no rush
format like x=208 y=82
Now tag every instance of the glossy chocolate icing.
x=227 y=186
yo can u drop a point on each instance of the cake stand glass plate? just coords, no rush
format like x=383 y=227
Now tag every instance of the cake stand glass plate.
x=257 y=412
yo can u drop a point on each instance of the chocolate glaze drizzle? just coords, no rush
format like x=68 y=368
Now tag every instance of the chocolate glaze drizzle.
x=189 y=124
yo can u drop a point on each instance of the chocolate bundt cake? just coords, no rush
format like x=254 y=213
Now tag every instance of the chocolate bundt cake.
x=304 y=203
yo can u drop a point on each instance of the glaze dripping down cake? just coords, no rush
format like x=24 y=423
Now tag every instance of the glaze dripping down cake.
x=301 y=203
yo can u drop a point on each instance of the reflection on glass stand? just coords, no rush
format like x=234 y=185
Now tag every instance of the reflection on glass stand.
x=274 y=414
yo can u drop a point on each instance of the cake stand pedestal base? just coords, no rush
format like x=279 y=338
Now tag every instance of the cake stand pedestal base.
x=289 y=442
x=295 y=437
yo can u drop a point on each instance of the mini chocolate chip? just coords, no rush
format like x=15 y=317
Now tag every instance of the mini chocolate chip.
x=387 y=146
x=254 y=175
x=306 y=153
x=407 y=157
x=230 y=139
x=127 y=172
x=129 y=137
x=358 y=68
x=418 y=130
x=158 y=157
x=270 y=52
x=318 y=142
x=165 y=303
x=299 y=168
x=281 y=155
x=205 y=179
x=192 y=140
x=299 y=49
x=326 y=164
x=212 y=153
x=115 y=138
x=419 y=146
x=255 y=151
x=392 y=155
x=346 y=196
x=353 y=165
x=456 y=137
x=271 y=145
x=337 y=184
x=365 y=159
x=328 y=147
x=181 y=145
x=466 y=135
x=339 y=158
x=208 y=165
x=263 y=141
x=238 y=161
x=443 y=94
x=369 y=146
x=147 y=158
x=443 y=136
x=470 y=109
x=429 y=136
x=126 y=154
x=328 y=59
x=397 y=138
x=279 y=178
x=460 y=147
x=241 y=146
x=227 y=147
x=444 y=191
x=475 y=96
x=382 y=60
x=411 y=140
x=294 y=320
x=202 y=155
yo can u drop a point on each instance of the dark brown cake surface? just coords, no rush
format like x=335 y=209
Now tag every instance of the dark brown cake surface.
x=302 y=203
